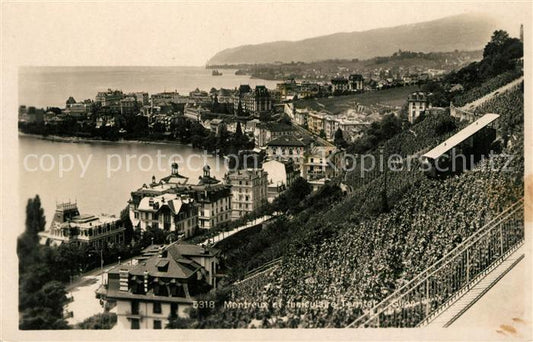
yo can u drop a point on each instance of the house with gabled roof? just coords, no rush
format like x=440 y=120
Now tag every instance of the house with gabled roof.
x=161 y=284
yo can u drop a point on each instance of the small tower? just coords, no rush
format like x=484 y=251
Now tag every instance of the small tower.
x=153 y=179
x=522 y=33
x=207 y=171
x=174 y=169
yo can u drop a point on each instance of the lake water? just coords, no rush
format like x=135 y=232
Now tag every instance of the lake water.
x=51 y=86
x=96 y=191
x=100 y=176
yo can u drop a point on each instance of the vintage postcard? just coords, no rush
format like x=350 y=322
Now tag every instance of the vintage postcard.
x=266 y=170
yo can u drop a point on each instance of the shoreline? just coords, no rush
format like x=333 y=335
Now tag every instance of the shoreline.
x=80 y=140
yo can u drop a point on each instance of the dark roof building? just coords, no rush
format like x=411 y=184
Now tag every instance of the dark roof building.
x=161 y=284
x=287 y=140
x=356 y=82
x=257 y=101
x=339 y=84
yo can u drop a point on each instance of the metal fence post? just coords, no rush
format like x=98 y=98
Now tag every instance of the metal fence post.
x=468 y=267
x=427 y=297
x=501 y=241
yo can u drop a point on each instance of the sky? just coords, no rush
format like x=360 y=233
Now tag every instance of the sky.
x=189 y=33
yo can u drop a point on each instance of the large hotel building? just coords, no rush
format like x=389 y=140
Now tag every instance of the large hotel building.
x=69 y=226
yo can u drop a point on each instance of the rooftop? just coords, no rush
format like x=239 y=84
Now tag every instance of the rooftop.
x=172 y=201
x=461 y=136
x=287 y=140
x=169 y=261
x=276 y=127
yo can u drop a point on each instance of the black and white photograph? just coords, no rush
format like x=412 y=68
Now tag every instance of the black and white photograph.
x=266 y=170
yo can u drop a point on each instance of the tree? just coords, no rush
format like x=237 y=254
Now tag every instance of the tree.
x=290 y=199
x=28 y=242
x=70 y=257
x=215 y=108
x=41 y=318
x=44 y=308
x=104 y=320
x=339 y=138
x=497 y=41
x=35 y=220
x=128 y=232
x=239 y=109
x=238 y=131
x=390 y=126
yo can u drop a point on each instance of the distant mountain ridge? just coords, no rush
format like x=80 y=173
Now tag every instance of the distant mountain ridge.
x=461 y=32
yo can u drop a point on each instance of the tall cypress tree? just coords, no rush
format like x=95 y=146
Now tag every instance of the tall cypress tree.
x=28 y=242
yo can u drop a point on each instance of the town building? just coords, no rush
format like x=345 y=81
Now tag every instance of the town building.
x=70 y=101
x=289 y=109
x=195 y=112
x=31 y=114
x=109 y=98
x=53 y=119
x=170 y=212
x=105 y=121
x=69 y=226
x=268 y=131
x=213 y=199
x=198 y=96
x=287 y=88
x=331 y=124
x=142 y=98
x=232 y=123
x=249 y=190
x=316 y=122
x=355 y=83
x=339 y=85
x=225 y=96
x=216 y=126
x=164 y=121
x=351 y=129
x=308 y=90
x=316 y=184
x=281 y=174
x=322 y=162
x=257 y=101
x=166 y=185
x=250 y=126
x=301 y=117
x=168 y=97
x=78 y=110
x=238 y=98
x=128 y=105
x=287 y=148
x=160 y=285
x=418 y=102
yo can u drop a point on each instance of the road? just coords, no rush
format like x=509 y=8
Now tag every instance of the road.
x=82 y=290
x=302 y=130
x=223 y=235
